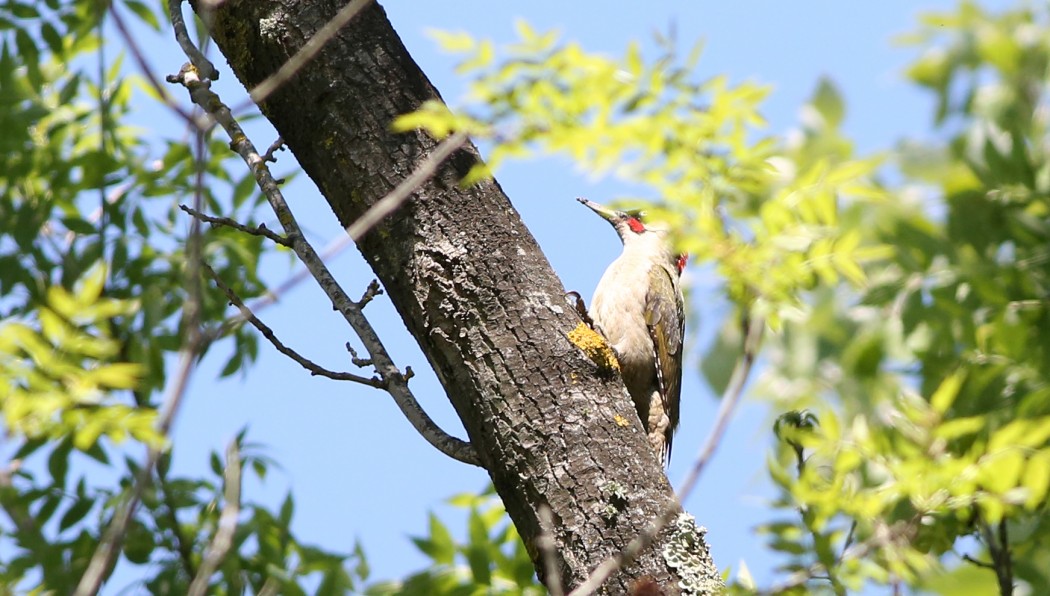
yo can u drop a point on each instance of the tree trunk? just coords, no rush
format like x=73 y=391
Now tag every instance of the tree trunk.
x=471 y=285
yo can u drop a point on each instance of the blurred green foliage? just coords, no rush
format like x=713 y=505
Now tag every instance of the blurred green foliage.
x=769 y=221
x=906 y=292
x=93 y=280
x=492 y=560
x=930 y=382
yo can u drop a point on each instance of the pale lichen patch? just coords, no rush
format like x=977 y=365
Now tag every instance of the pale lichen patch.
x=687 y=552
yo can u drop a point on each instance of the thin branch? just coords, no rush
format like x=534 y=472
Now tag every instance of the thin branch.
x=849 y=540
x=401 y=192
x=356 y=360
x=546 y=546
x=334 y=247
x=268 y=333
x=183 y=545
x=802 y=576
x=260 y=230
x=371 y=292
x=1005 y=564
x=144 y=67
x=273 y=295
x=731 y=396
x=223 y=540
x=310 y=49
x=15 y=510
x=109 y=546
x=902 y=532
x=112 y=538
x=276 y=146
x=999 y=549
x=200 y=62
x=623 y=558
x=978 y=563
x=270 y=588
x=329 y=252
x=388 y=371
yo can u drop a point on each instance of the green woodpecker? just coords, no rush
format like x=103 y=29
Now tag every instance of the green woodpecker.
x=638 y=307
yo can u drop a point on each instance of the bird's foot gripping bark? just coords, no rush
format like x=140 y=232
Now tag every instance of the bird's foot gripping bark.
x=581 y=307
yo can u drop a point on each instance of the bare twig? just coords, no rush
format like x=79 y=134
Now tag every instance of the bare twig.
x=260 y=230
x=112 y=538
x=388 y=371
x=623 y=558
x=183 y=544
x=800 y=577
x=334 y=247
x=223 y=540
x=17 y=512
x=276 y=146
x=270 y=588
x=545 y=543
x=999 y=549
x=356 y=360
x=310 y=49
x=371 y=292
x=731 y=396
x=268 y=333
x=978 y=563
x=753 y=329
x=144 y=67
x=200 y=62
x=849 y=540
x=388 y=204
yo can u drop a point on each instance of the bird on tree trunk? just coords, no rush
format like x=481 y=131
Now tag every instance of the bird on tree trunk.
x=639 y=308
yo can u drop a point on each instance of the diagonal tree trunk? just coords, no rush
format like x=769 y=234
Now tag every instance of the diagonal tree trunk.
x=471 y=285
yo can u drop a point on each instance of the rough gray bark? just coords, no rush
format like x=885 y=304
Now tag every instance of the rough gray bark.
x=470 y=283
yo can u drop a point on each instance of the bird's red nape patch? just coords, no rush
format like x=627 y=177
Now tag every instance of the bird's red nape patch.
x=636 y=225
x=680 y=263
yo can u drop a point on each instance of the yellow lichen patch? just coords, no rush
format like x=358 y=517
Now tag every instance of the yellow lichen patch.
x=621 y=421
x=594 y=346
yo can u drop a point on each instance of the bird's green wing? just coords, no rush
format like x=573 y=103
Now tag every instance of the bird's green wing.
x=665 y=317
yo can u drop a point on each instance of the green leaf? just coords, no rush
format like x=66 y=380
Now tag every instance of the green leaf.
x=720 y=359
x=79 y=226
x=215 y=462
x=144 y=13
x=828 y=101
x=139 y=543
x=480 y=564
x=58 y=462
x=442 y=547
x=960 y=427
x=1037 y=479
x=287 y=510
x=51 y=38
x=75 y=513
x=44 y=513
x=458 y=42
x=943 y=398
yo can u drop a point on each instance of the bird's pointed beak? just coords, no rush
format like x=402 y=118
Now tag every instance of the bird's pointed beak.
x=609 y=215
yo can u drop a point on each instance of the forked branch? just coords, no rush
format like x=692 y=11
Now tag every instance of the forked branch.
x=395 y=381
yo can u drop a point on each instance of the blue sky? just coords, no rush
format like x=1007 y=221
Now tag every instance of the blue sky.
x=357 y=469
